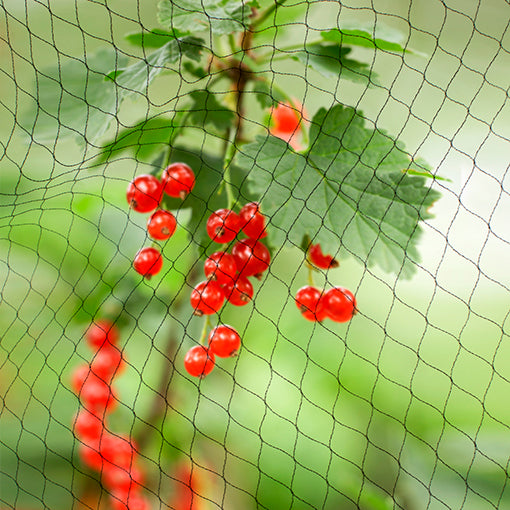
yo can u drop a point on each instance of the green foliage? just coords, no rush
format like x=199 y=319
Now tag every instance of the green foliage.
x=347 y=192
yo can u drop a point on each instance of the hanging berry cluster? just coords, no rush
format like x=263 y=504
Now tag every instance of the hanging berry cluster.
x=113 y=456
x=227 y=279
x=337 y=304
x=144 y=194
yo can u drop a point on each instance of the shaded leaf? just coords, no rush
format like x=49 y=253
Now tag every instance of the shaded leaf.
x=267 y=95
x=218 y=16
x=153 y=38
x=330 y=60
x=347 y=192
x=74 y=98
x=207 y=110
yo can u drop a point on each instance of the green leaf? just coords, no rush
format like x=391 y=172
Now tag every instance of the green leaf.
x=207 y=110
x=142 y=141
x=268 y=95
x=330 y=60
x=357 y=36
x=190 y=16
x=347 y=192
x=138 y=76
x=75 y=99
x=153 y=38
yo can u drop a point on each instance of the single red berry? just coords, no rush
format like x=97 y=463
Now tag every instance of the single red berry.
x=101 y=332
x=178 y=180
x=88 y=451
x=310 y=303
x=318 y=259
x=161 y=225
x=340 y=304
x=224 y=341
x=107 y=362
x=144 y=193
x=148 y=262
x=221 y=267
x=199 y=361
x=78 y=377
x=286 y=118
x=130 y=500
x=96 y=395
x=117 y=451
x=253 y=223
x=207 y=297
x=122 y=479
x=251 y=256
x=239 y=292
x=223 y=225
x=88 y=425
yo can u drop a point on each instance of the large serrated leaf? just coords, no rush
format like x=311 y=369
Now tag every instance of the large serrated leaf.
x=75 y=99
x=348 y=192
x=218 y=16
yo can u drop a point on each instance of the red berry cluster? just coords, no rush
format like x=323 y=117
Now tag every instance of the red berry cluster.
x=114 y=456
x=144 y=194
x=337 y=304
x=227 y=279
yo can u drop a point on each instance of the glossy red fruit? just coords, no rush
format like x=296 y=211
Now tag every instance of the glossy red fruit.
x=253 y=223
x=144 y=193
x=101 y=332
x=107 y=362
x=286 y=118
x=148 y=262
x=199 y=361
x=88 y=425
x=310 y=303
x=224 y=341
x=96 y=395
x=223 y=225
x=239 y=292
x=318 y=259
x=123 y=479
x=251 y=256
x=78 y=376
x=178 y=180
x=221 y=267
x=131 y=500
x=88 y=451
x=161 y=225
x=117 y=451
x=207 y=297
x=340 y=304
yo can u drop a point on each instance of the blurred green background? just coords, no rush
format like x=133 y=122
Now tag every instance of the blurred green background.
x=407 y=403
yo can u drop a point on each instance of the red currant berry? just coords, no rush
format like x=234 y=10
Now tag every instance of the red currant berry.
x=96 y=395
x=121 y=501
x=107 y=362
x=239 y=292
x=88 y=425
x=88 y=450
x=199 y=361
x=178 y=180
x=253 y=223
x=340 y=304
x=310 y=303
x=148 y=262
x=121 y=479
x=286 y=118
x=224 y=341
x=223 y=225
x=221 y=267
x=161 y=225
x=251 y=256
x=318 y=259
x=78 y=377
x=117 y=451
x=207 y=297
x=144 y=193
x=101 y=332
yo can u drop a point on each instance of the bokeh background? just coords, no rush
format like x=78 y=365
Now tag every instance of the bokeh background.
x=407 y=403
